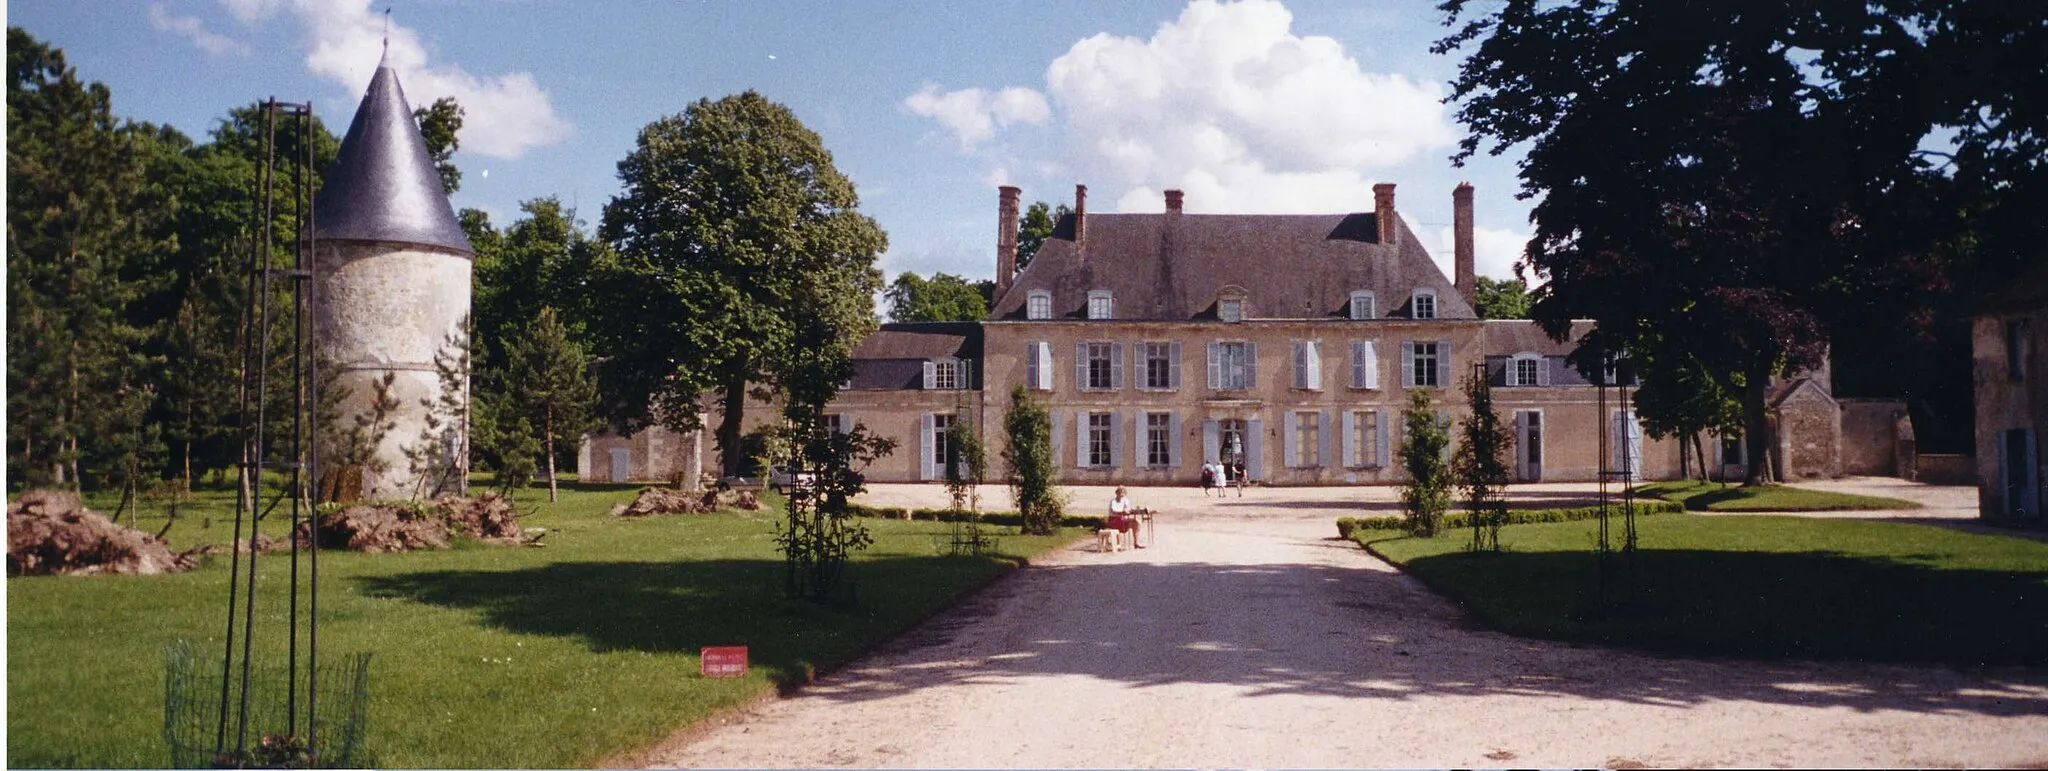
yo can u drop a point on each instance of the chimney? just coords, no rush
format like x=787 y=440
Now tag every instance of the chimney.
x=1461 y=243
x=1383 y=211
x=1173 y=202
x=1080 y=216
x=1006 y=237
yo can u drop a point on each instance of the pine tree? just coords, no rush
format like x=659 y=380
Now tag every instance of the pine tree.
x=548 y=379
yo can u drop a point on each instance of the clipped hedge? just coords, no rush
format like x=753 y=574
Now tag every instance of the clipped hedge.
x=1005 y=518
x=1346 y=526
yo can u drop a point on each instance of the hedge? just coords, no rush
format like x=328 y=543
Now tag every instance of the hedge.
x=1346 y=525
x=1006 y=518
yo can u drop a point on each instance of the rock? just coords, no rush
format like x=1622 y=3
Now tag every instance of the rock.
x=51 y=533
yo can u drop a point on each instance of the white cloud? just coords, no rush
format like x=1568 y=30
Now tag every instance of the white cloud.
x=1494 y=250
x=195 y=30
x=504 y=115
x=973 y=114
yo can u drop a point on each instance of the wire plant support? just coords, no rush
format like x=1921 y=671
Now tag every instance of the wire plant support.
x=1620 y=454
x=251 y=711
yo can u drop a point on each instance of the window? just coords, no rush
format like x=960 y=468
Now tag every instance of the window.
x=1365 y=364
x=1307 y=440
x=1424 y=305
x=1364 y=436
x=1233 y=366
x=1424 y=364
x=946 y=375
x=1230 y=311
x=2015 y=349
x=1308 y=366
x=942 y=450
x=1362 y=304
x=1038 y=305
x=1038 y=366
x=1232 y=446
x=1158 y=439
x=1099 y=305
x=1162 y=366
x=1101 y=427
x=1526 y=369
x=1099 y=372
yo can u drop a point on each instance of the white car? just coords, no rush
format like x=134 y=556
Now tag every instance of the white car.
x=781 y=480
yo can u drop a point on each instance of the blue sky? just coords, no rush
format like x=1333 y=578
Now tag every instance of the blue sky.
x=1251 y=106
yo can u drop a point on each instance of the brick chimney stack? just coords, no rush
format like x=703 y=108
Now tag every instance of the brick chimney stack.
x=1467 y=279
x=1006 y=237
x=1173 y=201
x=1080 y=216
x=1383 y=211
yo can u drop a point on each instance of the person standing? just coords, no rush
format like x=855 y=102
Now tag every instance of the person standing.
x=1209 y=475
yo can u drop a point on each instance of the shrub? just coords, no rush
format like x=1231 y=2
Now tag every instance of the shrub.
x=1349 y=527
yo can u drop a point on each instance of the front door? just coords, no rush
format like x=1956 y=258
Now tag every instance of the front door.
x=622 y=464
x=1529 y=445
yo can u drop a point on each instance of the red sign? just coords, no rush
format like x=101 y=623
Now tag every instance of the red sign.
x=723 y=661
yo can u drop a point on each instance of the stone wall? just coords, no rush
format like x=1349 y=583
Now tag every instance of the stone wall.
x=1869 y=436
x=1810 y=435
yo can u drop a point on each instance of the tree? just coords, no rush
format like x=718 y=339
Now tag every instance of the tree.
x=1424 y=441
x=945 y=297
x=1700 y=184
x=1031 y=463
x=1481 y=464
x=1504 y=299
x=440 y=123
x=743 y=260
x=1034 y=228
x=549 y=380
x=1678 y=398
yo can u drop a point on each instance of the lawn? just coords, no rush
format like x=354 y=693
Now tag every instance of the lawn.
x=1761 y=586
x=1714 y=496
x=481 y=656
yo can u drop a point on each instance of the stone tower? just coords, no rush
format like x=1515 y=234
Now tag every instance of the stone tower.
x=393 y=283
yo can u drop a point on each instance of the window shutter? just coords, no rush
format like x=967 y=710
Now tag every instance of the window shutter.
x=1372 y=364
x=1045 y=366
x=1315 y=367
x=1173 y=438
x=1358 y=364
x=1031 y=365
x=1081 y=448
x=1141 y=434
x=1251 y=365
x=1288 y=439
x=1212 y=441
x=1521 y=454
x=1215 y=366
x=1446 y=377
x=1173 y=368
x=1407 y=364
x=1300 y=364
x=926 y=470
x=1543 y=371
x=1255 y=449
x=1081 y=372
x=1350 y=440
x=931 y=375
x=1052 y=420
x=1323 y=438
x=1116 y=366
x=1635 y=445
x=965 y=372
x=1116 y=440
x=1380 y=434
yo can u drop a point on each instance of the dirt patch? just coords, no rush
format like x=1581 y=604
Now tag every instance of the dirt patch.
x=381 y=527
x=488 y=517
x=656 y=501
x=51 y=533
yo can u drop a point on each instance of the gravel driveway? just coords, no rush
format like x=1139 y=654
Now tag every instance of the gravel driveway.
x=1249 y=637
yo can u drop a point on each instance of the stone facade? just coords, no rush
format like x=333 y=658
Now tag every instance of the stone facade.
x=2009 y=343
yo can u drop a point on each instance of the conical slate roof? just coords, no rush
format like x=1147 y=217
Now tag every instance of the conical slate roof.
x=383 y=185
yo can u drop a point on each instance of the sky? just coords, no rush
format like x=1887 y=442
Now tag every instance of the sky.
x=1250 y=106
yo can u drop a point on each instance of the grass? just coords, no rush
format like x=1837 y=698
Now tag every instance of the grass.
x=1714 y=496
x=1768 y=587
x=481 y=656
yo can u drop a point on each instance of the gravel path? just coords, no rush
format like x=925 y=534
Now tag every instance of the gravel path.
x=1248 y=637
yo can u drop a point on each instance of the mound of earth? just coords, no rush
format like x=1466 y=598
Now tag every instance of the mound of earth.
x=381 y=527
x=655 y=501
x=488 y=517
x=51 y=533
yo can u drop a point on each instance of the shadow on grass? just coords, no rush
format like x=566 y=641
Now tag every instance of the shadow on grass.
x=679 y=607
x=1822 y=605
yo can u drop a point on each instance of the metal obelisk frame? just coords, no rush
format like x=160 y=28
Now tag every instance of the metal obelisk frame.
x=1615 y=375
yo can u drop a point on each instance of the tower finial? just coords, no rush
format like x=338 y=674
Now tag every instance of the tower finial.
x=387 y=37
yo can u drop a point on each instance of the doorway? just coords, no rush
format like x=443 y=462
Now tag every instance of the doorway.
x=622 y=464
x=1529 y=445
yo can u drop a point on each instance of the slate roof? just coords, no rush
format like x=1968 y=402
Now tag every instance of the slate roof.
x=893 y=357
x=383 y=185
x=1173 y=267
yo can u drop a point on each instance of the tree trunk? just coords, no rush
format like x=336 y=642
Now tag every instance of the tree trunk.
x=731 y=455
x=549 y=448
x=1756 y=425
x=1699 y=450
x=1684 y=458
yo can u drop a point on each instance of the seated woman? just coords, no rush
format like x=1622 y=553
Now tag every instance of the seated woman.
x=1123 y=516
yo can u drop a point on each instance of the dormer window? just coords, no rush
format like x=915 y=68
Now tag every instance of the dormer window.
x=948 y=374
x=1526 y=369
x=1038 y=305
x=1424 y=304
x=1230 y=311
x=1362 y=304
x=1099 y=304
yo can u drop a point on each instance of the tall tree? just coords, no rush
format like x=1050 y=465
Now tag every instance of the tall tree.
x=1702 y=183
x=1034 y=228
x=1032 y=467
x=944 y=297
x=743 y=262
x=1481 y=464
x=1424 y=454
x=1502 y=299
x=548 y=378
x=440 y=124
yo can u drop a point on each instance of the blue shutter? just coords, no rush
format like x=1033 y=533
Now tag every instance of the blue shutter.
x=1215 y=366
x=1358 y=364
x=1081 y=448
x=1350 y=439
x=1212 y=441
x=1116 y=440
x=1116 y=366
x=1288 y=440
x=1173 y=440
x=926 y=470
x=1173 y=368
x=931 y=375
x=1255 y=449
x=1251 y=365
x=1081 y=368
x=1031 y=372
x=1407 y=364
